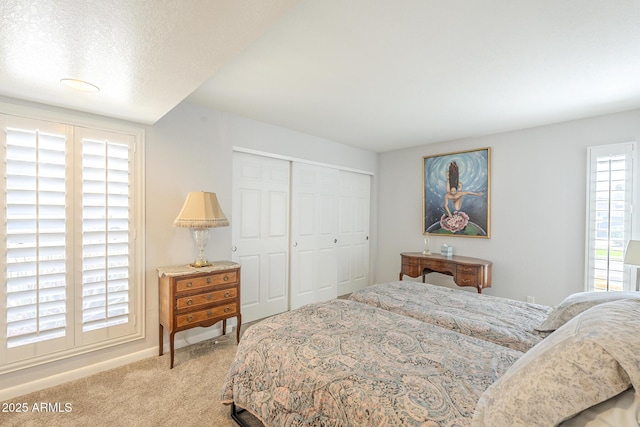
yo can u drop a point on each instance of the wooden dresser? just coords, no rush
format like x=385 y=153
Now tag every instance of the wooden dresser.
x=191 y=297
x=465 y=271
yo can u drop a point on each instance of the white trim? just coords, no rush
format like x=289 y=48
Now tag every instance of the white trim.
x=296 y=159
x=54 y=380
x=45 y=113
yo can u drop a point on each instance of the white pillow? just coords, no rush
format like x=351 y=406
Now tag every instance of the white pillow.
x=592 y=358
x=577 y=303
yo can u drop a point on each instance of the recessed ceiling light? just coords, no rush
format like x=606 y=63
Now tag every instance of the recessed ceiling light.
x=80 y=85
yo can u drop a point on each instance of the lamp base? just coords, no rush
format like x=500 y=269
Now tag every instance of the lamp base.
x=200 y=264
x=201 y=237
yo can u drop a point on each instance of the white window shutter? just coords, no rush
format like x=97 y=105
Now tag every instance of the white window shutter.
x=36 y=250
x=106 y=235
x=609 y=209
x=73 y=204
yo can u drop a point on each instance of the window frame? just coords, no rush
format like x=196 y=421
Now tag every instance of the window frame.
x=629 y=277
x=80 y=123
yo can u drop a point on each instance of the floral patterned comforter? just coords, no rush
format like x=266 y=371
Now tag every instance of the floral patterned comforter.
x=344 y=363
x=503 y=321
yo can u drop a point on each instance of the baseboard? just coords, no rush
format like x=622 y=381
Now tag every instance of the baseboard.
x=64 y=377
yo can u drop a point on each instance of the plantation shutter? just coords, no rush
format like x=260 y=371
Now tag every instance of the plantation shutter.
x=609 y=198
x=36 y=229
x=68 y=265
x=105 y=233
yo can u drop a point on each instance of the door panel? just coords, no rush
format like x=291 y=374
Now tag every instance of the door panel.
x=354 y=206
x=250 y=292
x=260 y=233
x=314 y=229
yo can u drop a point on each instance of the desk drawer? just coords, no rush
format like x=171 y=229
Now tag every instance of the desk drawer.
x=468 y=275
x=193 y=301
x=194 y=283
x=221 y=311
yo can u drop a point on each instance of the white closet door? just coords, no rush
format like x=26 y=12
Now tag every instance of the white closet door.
x=260 y=233
x=314 y=233
x=353 y=238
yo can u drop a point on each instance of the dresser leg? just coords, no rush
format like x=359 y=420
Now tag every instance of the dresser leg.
x=171 y=336
x=239 y=317
x=161 y=350
x=224 y=327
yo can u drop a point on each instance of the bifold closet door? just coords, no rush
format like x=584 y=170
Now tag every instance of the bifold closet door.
x=260 y=233
x=353 y=237
x=314 y=234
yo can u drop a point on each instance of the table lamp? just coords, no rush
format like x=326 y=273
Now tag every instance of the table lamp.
x=201 y=212
x=632 y=257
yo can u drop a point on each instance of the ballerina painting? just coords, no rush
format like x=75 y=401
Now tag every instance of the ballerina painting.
x=456 y=193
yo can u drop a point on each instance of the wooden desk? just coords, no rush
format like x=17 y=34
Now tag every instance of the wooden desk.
x=465 y=271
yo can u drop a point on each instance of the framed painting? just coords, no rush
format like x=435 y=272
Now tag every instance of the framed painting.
x=457 y=193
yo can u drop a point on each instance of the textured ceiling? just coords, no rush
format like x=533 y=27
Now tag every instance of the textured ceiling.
x=146 y=56
x=376 y=74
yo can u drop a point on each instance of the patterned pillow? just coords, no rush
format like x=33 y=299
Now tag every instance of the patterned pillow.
x=593 y=357
x=576 y=304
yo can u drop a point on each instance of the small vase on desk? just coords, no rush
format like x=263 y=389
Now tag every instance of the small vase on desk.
x=426 y=250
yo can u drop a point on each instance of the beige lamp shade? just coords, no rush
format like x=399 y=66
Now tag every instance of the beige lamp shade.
x=632 y=254
x=201 y=210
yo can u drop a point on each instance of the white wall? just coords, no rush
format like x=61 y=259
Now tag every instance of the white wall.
x=538 y=179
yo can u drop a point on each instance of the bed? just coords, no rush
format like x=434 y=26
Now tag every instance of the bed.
x=503 y=321
x=368 y=362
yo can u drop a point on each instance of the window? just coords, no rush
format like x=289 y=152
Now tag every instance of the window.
x=72 y=260
x=609 y=223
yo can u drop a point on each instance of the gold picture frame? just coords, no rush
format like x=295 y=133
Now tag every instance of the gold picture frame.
x=456 y=192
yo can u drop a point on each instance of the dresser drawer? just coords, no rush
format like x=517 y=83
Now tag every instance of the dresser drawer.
x=193 y=301
x=194 y=317
x=196 y=283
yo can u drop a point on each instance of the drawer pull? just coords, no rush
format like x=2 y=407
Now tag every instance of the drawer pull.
x=189 y=318
x=225 y=278
x=189 y=301
x=227 y=309
x=209 y=313
x=209 y=297
x=189 y=284
x=208 y=280
x=227 y=294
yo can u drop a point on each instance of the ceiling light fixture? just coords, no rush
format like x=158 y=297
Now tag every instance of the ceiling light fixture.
x=80 y=85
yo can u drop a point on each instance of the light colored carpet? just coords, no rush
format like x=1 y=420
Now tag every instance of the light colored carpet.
x=144 y=393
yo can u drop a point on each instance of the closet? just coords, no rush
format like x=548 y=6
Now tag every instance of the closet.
x=299 y=230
